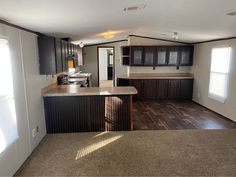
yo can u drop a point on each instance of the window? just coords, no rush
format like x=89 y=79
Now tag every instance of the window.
x=8 y=124
x=219 y=73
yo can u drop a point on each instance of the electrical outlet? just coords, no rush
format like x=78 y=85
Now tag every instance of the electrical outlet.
x=33 y=132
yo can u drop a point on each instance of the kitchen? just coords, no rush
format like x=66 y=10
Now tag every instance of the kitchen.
x=117 y=88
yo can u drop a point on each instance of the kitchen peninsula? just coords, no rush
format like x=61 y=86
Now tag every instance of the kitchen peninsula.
x=70 y=108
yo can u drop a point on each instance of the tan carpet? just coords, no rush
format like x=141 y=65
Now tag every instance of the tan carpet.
x=137 y=153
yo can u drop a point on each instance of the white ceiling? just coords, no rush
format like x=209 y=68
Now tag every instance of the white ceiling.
x=85 y=20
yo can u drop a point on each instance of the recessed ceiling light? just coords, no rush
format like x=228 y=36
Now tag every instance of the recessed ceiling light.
x=133 y=8
x=231 y=13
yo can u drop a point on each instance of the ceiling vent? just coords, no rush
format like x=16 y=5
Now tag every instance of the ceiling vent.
x=231 y=13
x=133 y=8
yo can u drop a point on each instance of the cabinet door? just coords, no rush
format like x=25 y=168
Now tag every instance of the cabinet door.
x=149 y=53
x=125 y=55
x=186 y=89
x=161 y=56
x=162 y=88
x=47 y=55
x=149 y=89
x=76 y=55
x=64 y=54
x=186 y=56
x=174 y=89
x=59 y=62
x=137 y=56
x=138 y=84
x=173 y=56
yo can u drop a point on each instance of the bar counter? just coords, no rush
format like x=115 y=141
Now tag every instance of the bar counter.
x=69 y=108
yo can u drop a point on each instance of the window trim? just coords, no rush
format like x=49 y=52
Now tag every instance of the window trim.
x=212 y=95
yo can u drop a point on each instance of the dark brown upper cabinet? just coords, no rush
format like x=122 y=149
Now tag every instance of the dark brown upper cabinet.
x=186 y=56
x=161 y=56
x=137 y=54
x=59 y=58
x=50 y=55
x=157 y=55
x=125 y=52
x=53 y=54
x=149 y=55
x=65 y=52
x=173 y=56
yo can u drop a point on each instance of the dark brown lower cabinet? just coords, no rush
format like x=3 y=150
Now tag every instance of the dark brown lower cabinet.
x=149 y=89
x=160 y=88
x=174 y=89
x=186 y=88
x=138 y=84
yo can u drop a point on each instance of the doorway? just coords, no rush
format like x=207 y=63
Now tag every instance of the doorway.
x=106 y=66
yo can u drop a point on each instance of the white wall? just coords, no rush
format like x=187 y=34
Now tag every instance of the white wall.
x=34 y=82
x=15 y=154
x=28 y=99
x=160 y=69
x=90 y=60
x=201 y=71
x=103 y=53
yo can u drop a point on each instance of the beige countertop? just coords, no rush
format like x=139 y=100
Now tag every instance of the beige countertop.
x=74 y=90
x=157 y=76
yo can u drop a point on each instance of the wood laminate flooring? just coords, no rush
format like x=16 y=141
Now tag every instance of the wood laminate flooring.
x=177 y=115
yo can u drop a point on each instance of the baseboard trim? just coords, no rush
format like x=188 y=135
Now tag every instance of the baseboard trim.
x=214 y=111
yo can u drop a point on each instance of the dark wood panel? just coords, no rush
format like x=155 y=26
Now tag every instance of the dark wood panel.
x=138 y=84
x=47 y=55
x=177 y=115
x=96 y=113
x=64 y=54
x=186 y=89
x=117 y=113
x=74 y=114
x=149 y=89
x=88 y=113
x=174 y=89
x=59 y=62
x=161 y=89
